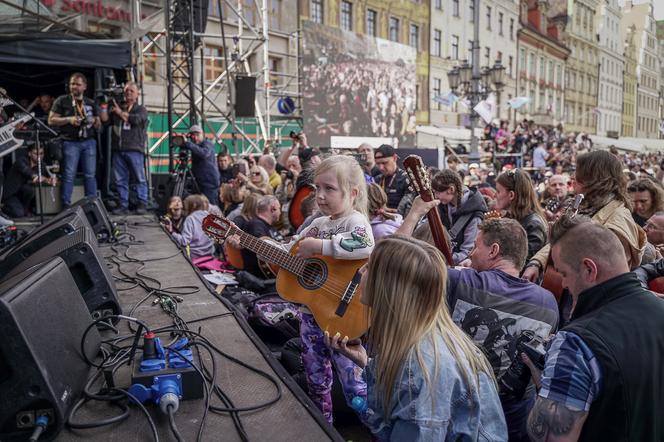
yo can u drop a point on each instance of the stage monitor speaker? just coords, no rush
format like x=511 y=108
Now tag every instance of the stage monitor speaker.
x=245 y=96
x=97 y=215
x=78 y=250
x=63 y=224
x=42 y=371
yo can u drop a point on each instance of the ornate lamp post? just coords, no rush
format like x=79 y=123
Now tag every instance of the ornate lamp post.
x=476 y=83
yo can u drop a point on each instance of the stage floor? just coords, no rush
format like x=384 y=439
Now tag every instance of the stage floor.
x=292 y=418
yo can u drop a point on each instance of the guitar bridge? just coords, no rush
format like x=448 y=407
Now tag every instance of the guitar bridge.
x=348 y=294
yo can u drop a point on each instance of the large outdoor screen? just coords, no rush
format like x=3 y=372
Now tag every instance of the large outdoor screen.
x=357 y=87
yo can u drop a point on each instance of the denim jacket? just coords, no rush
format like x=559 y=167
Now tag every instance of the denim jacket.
x=454 y=413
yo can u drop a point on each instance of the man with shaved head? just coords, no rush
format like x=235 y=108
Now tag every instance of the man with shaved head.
x=603 y=377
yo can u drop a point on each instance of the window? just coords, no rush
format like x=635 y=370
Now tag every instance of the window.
x=488 y=18
x=500 y=23
x=559 y=75
x=346 y=16
x=439 y=5
x=436 y=91
x=499 y=56
x=510 y=72
x=150 y=59
x=455 y=47
x=470 y=52
x=550 y=78
x=414 y=36
x=455 y=8
x=471 y=7
x=522 y=59
x=487 y=56
x=542 y=104
x=511 y=29
x=437 y=41
x=275 y=69
x=317 y=11
x=531 y=65
x=394 y=29
x=372 y=17
x=542 y=72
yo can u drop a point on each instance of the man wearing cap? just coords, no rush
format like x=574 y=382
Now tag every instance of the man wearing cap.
x=392 y=179
x=203 y=163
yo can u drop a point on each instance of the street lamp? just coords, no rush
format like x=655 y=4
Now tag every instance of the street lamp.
x=497 y=74
x=465 y=73
x=453 y=79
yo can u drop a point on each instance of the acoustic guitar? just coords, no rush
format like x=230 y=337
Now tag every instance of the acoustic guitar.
x=420 y=182
x=329 y=287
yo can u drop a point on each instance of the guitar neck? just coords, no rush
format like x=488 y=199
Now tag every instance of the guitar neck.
x=437 y=229
x=270 y=252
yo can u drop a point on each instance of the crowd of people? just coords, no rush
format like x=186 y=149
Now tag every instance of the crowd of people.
x=354 y=98
x=488 y=346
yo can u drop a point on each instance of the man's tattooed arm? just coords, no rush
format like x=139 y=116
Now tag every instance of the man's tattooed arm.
x=553 y=421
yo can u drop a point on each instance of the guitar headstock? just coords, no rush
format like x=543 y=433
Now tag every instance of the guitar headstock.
x=217 y=227
x=419 y=177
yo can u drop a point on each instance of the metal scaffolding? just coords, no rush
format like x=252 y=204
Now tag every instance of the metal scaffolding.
x=193 y=96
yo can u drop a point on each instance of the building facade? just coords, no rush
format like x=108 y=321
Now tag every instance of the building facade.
x=659 y=27
x=611 y=66
x=582 y=70
x=401 y=22
x=452 y=31
x=647 y=69
x=628 y=36
x=541 y=63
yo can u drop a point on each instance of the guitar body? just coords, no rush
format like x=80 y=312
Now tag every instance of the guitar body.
x=657 y=285
x=553 y=282
x=326 y=277
x=295 y=215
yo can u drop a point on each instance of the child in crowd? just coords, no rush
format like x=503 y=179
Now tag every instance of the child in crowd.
x=426 y=379
x=383 y=223
x=192 y=236
x=343 y=232
x=174 y=215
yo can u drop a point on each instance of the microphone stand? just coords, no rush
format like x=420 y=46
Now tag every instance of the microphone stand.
x=39 y=160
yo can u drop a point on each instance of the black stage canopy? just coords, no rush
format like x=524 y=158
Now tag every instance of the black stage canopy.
x=92 y=53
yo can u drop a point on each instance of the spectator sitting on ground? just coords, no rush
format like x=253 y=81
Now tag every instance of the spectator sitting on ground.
x=269 y=163
x=174 y=214
x=383 y=223
x=231 y=197
x=192 y=237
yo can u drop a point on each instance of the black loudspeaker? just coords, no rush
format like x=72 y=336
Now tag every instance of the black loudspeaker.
x=181 y=19
x=97 y=215
x=245 y=96
x=62 y=224
x=78 y=250
x=42 y=371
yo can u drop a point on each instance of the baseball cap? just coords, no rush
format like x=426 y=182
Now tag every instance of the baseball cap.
x=195 y=128
x=384 y=151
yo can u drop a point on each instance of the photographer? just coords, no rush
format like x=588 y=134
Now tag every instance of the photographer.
x=129 y=121
x=77 y=117
x=19 y=190
x=203 y=163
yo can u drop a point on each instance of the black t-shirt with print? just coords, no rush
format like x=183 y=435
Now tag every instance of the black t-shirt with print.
x=65 y=107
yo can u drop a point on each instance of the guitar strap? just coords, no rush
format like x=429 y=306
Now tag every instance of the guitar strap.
x=459 y=225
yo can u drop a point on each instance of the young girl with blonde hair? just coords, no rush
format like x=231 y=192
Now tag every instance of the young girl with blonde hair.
x=426 y=379
x=343 y=232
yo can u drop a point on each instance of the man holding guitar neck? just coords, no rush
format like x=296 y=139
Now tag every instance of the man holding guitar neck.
x=496 y=308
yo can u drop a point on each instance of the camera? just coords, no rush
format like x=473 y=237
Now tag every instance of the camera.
x=514 y=382
x=294 y=135
x=289 y=175
x=112 y=92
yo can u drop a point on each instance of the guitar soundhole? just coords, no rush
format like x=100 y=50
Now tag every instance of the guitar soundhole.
x=314 y=275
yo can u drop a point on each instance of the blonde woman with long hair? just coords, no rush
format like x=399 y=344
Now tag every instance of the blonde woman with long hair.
x=426 y=380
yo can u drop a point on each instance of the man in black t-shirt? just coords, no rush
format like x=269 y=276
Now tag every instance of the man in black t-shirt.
x=392 y=179
x=268 y=213
x=77 y=118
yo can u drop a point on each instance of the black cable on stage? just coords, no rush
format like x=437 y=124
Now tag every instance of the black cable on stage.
x=171 y=422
